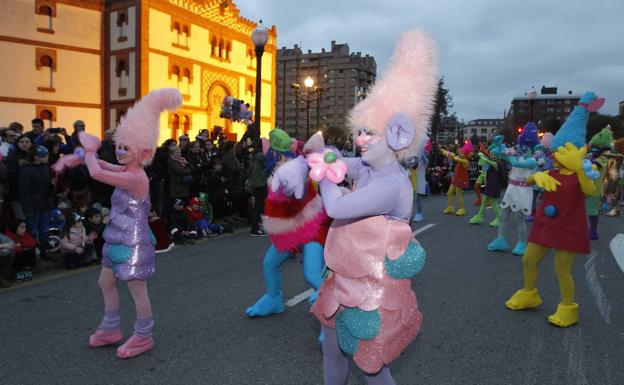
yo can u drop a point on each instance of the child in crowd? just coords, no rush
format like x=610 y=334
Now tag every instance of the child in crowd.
x=199 y=221
x=95 y=229
x=7 y=255
x=207 y=209
x=76 y=244
x=25 y=255
x=179 y=226
x=159 y=229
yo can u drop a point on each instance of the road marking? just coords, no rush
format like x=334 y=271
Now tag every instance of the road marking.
x=594 y=287
x=617 y=249
x=299 y=297
x=577 y=360
x=424 y=228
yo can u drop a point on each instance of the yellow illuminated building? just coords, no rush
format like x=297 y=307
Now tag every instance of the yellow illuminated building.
x=92 y=59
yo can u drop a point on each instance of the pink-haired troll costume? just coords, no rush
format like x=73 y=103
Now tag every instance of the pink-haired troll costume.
x=128 y=252
x=296 y=221
x=366 y=306
x=460 y=179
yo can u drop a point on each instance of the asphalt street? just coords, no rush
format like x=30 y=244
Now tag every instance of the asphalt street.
x=202 y=335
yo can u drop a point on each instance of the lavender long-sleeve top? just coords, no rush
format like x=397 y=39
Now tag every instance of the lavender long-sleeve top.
x=386 y=191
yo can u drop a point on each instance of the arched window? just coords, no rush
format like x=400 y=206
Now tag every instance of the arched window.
x=46 y=115
x=213 y=46
x=176 y=33
x=46 y=71
x=122 y=26
x=186 y=124
x=122 y=77
x=185 y=81
x=228 y=48
x=46 y=12
x=175 y=125
x=184 y=38
x=175 y=75
x=221 y=48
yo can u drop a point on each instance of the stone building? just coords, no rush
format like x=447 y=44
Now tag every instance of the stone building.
x=340 y=78
x=92 y=59
x=483 y=129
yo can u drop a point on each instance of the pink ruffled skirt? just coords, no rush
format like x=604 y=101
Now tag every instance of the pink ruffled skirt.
x=375 y=315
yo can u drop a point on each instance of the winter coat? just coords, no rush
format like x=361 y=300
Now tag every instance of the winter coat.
x=177 y=188
x=75 y=237
x=34 y=189
x=25 y=242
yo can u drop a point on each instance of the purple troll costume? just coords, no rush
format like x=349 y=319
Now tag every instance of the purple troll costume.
x=366 y=306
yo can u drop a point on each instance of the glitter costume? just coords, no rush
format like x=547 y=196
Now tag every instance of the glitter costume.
x=129 y=246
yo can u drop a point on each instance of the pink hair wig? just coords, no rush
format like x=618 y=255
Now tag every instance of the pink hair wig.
x=546 y=139
x=408 y=85
x=140 y=128
x=467 y=148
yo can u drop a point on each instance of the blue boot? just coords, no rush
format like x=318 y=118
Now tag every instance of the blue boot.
x=520 y=248
x=266 y=305
x=273 y=301
x=498 y=244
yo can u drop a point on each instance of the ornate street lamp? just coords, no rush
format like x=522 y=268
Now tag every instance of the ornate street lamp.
x=259 y=36
x=308 y=83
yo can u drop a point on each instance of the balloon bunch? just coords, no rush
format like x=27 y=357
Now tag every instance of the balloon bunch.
x=235 y=109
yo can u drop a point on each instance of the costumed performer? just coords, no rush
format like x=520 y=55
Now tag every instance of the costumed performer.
x=561 y=219
x=128 y=252
x=460 y=178
x=615 y=180
x=493 y=171
x=366 y=306
x=295 y=220
x=418 y=177
x=599 y=144
x=518 y=199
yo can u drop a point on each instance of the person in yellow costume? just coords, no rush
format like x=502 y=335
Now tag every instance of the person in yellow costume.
x=561 y=220
x=460 y=178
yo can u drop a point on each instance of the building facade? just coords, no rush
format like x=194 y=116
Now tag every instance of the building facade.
x=621 y=109
x=95 y=58
x=340 y=77
x=547 y=109
x=450 y=130
x=483 y=129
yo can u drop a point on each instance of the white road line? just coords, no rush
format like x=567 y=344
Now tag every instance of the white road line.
x=617 y=249
x=594 y=287
x=424 y=228
x=299 y=297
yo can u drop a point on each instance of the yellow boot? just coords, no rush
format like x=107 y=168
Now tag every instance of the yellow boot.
x=449 y=210
x=524 y=299
x=461 y=212
x=566 y=315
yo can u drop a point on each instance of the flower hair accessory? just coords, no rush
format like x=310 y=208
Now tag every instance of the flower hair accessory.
x=326 y=165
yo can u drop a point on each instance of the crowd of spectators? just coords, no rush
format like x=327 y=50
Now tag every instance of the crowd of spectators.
x=198 y=188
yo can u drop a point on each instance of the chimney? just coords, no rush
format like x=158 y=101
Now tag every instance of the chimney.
x=322 y=50
x=309 y=51
x=296 y=46
x=333 y=44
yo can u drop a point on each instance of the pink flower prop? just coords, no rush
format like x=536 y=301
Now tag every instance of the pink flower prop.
x=326 y=165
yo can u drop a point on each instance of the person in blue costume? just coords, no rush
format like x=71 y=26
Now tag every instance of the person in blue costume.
x=295 y=220
x=518 y=199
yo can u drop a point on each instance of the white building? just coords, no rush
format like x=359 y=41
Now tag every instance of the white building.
x=484 y=129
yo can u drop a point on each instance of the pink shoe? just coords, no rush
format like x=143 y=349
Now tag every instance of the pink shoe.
x=134 y=346
x=103 y=337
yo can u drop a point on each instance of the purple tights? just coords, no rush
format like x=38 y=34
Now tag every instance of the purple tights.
x=336 y=365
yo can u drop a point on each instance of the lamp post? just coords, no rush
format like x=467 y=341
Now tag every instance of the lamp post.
x=309 y=84
x=531 y=95
x=259 y=37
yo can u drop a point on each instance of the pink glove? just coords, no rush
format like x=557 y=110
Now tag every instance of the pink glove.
x=89 y=142
x=326 y=165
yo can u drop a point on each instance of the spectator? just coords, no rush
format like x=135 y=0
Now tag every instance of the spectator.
x=232 y=174
x=199 y=166
x=18 y=157
x=7 y=256
x=102 y=192
x=258 y=185
x=8 y=139
x=183 y=143
x=95 y=229
x=35 y=194
x=210 y=150
x=77 y=246
x=17 y=128
x=25 y=255
x=3 y=178
x=54 y=149
x=37 y=129
x=159 y=229
x=179 y=226
x=79 y=126
x=217 y=191
x=179 y=175
x=159 y=179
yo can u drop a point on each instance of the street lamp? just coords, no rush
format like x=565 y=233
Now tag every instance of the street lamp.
x=309 y=84
x=259 y=36
x=531 y=95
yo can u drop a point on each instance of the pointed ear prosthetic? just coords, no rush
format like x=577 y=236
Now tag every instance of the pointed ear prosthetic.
x=400 y=132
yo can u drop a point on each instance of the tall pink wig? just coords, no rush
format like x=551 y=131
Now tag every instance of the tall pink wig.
x=140 y=128
x=408 y=86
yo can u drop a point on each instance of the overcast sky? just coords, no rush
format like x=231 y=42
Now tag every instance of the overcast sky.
x=489 y=50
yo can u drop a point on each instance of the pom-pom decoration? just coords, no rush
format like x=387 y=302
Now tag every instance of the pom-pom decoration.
x=326 y=165
x=235 y=109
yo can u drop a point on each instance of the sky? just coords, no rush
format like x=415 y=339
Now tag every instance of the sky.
x=488 y=50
